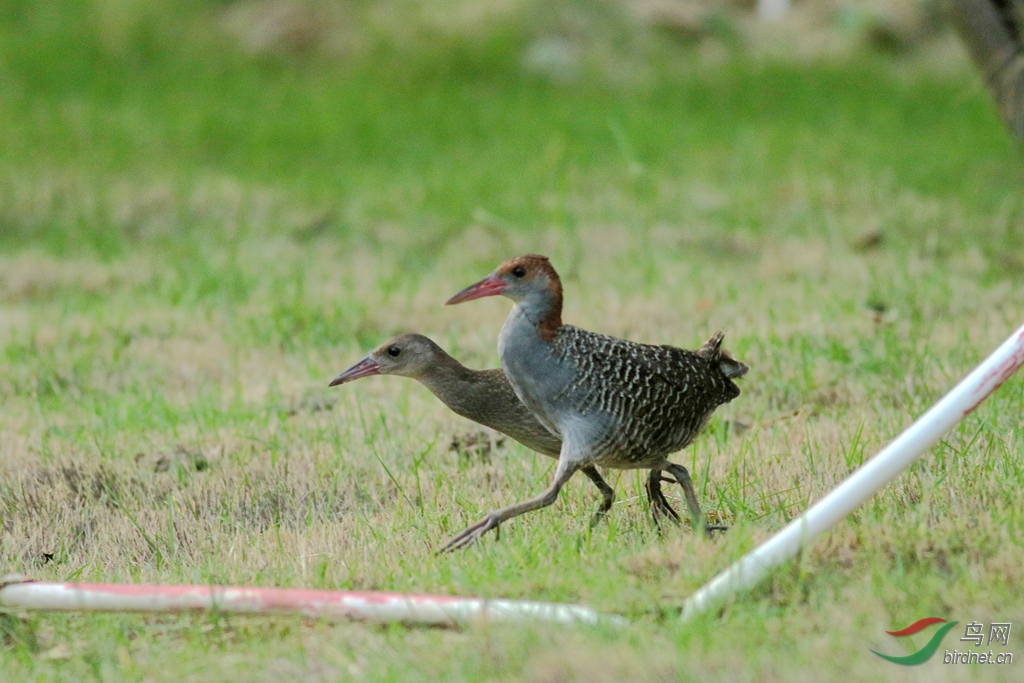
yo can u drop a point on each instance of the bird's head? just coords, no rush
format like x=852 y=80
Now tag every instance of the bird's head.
x=529 y=278
x=407 y=355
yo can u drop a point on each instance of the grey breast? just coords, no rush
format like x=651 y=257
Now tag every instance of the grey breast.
x=536 y=373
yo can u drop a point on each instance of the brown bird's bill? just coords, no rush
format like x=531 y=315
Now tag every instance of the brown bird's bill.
x=364 y=368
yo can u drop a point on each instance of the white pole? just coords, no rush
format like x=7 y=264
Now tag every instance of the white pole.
x=872 y=476
x=429 y=610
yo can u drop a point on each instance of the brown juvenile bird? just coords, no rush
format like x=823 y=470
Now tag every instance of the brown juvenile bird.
x=486 y=397
x=615 y=403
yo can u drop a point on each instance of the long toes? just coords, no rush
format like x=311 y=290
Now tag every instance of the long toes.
x=666 y=511
x=449 y=546
x=660 y=506
x=599 y=514
x=708 y=528
x=462 y=539
x=459 y=542
x=469 y=536
x=663 y=509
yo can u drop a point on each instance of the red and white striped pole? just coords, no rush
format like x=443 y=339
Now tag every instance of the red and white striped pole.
x=427 y=610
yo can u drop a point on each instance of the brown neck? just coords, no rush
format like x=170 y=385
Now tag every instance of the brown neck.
x=549 y=324
x=447 y=378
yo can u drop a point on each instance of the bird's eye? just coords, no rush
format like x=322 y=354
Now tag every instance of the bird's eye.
x=394 y=351
x=519 y=271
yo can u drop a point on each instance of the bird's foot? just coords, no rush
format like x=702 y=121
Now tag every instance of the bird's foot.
x=661 y=508
x=709 y=528
x=472 y=534
x=596 y=518
x=659 y=504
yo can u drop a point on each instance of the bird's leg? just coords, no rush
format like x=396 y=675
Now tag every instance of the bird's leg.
x=474 y=532
x=696 y=516
x=607 y=493
x=659 y=505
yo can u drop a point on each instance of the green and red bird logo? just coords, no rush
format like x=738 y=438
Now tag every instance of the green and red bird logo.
x=925 y=653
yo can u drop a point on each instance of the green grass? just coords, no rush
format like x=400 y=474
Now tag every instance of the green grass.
x=194 y=240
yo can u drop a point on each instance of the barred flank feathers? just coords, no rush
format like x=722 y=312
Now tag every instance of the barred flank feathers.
x=657 y=398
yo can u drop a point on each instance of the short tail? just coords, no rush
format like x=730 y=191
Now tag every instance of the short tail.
x=713 y=351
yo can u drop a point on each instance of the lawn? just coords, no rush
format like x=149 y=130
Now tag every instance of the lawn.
x=195 y=239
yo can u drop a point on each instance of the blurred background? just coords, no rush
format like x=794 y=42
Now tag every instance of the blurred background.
x=132 y=122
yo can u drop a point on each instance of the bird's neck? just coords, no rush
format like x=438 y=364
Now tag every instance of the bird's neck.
x=450 y=381
x=543 y=310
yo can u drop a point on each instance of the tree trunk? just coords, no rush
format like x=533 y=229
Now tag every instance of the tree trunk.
x=992 y=31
